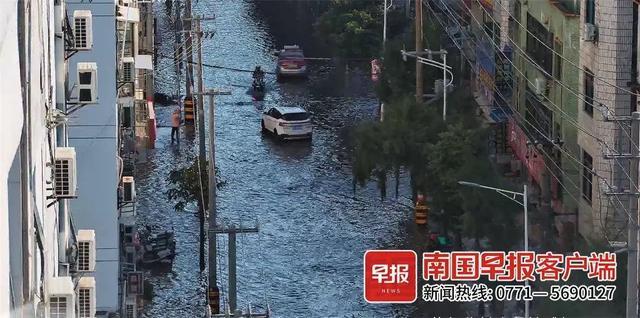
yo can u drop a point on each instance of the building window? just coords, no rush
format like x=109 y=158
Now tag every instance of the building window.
x=557 y=62
x=539 y=117
x=590 y=11
x=588 y=92
x=587 y=175
x=539 y=44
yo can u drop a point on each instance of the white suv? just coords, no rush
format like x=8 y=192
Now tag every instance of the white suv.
x=287 y=122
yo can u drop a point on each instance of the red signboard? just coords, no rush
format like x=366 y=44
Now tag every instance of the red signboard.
x=530 y=157
x=390 y=276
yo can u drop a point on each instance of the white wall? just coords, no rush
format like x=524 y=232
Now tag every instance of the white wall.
x=93 y=131
x=10 y=132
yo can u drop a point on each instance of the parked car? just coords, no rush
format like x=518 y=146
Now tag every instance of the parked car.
x=291 y=62
x=287 y=122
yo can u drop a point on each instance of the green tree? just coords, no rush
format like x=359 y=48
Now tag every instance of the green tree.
x=352 y=28
x=190 y=184
x=184 y=186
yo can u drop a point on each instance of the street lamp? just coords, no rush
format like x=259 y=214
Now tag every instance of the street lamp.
x=441 y=65
x=513 y=196
x=384 y=22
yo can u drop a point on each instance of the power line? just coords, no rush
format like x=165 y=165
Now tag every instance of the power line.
x=530 y=60
x=569 y=119
x=522 y=27
x=532 y=126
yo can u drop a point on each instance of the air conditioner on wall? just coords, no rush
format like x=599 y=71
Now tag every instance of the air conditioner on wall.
x=87 y=83
x=128 y=189
x=86 y=251
x=61 y=297
x=64 y=172
x=590 y=32
x=82 y=30
x=541 y=85
x=128 y=69
x=86 y=297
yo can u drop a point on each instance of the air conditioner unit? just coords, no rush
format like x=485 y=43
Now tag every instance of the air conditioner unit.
x=61 y=297
x=86 y=251
x=64 y=172
x=86 y=297
x=128 y=68
x=82 y=30
x=590 y=32
x=128 y=189
x=541 y=86
x=131 y=308
x=87 y=83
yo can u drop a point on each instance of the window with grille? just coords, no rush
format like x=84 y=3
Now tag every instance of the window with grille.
x=84 y=303
x=557 y=68
x=58 y=307
x=62 y=178
x=84 y=254
x=539 y=44
x=80 y=33
x=590 y=12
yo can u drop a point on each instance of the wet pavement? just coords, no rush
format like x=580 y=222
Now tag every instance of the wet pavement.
x=306 y=261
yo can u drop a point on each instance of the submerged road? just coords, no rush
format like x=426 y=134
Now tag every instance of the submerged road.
x=306 y=261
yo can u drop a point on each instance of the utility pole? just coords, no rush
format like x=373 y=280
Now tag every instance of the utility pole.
x=188 y=47
x=633 y=194
x=201 y=134
x=632 y=266
x=419 y=89
x=384 y=24
x=213 y=291
x=231 y=230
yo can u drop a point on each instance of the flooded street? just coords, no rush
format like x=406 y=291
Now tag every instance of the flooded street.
x=306 y=260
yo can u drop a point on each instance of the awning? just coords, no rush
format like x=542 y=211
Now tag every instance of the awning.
x=144 y=62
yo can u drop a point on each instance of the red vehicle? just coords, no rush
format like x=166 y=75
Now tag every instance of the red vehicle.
x=291 y=62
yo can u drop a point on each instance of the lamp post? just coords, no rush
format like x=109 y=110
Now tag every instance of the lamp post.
x=513 y=196
x=441 y=65
x=384 y=22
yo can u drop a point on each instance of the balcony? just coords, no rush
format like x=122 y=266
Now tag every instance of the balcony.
x=570 y=8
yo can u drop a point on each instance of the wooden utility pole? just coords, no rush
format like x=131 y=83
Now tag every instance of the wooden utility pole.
x=188 y=47
x=419 y=49
x=201 y=135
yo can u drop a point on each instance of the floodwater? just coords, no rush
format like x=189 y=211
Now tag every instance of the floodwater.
x=306 y=260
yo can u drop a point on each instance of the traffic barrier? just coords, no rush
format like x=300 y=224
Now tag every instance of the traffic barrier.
x=214 y=300
x=189 y=111
x=421 y=211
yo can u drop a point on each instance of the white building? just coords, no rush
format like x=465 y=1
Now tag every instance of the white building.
x=608 y=56
x=42 y=259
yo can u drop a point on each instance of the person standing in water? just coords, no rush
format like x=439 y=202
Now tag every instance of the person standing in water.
x=175 y=125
